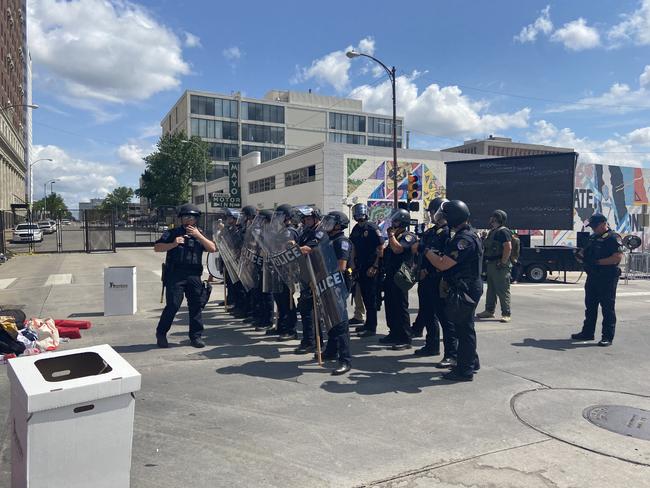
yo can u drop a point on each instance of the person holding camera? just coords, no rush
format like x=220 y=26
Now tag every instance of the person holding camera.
x=184 y=246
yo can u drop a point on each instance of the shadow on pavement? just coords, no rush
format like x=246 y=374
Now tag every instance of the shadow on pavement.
x=133 y=348
x=86 y=314
x=554 y=344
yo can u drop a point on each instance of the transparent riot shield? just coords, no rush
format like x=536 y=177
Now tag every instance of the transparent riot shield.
x=228 y=251
x=251 y=261
x=327 y=282
x=283 y=252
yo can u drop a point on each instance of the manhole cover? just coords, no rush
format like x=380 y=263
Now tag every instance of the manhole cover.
x=629 y=421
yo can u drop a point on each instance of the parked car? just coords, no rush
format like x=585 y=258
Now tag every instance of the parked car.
x=65 y=222
x=27 y=233
x=47 y=227
x=54 y=224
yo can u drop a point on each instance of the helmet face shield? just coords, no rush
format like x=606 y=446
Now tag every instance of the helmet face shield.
x=360 y=212
x=439 y=216
x=327 y=224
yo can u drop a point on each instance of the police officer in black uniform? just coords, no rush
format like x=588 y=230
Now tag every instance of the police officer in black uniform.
x=338 y=342
x=431 y=314
x=264 y=300
x=461 y=267
x=284 y=301
x=310 y=217
x=600 y=258
x=368 y=252
x=248 y=214
x=184 y=246
x=400 y=243
x=235 y=291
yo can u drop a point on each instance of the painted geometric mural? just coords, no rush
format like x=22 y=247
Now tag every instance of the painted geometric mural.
x=370 y=181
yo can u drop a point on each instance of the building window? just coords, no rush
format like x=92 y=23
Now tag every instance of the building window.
x=223 y=152
x=199 y=199
x=383 y=141
x=262 y=112
x=214 y=129
x=265 y=184
x=262 y=133
x=378 y=125
x=268 y=153
x=354 y=123
x=219 y=107
x=347 y=138
x=300 y=176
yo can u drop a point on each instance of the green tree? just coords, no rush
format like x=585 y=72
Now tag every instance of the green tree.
x=118 y=201
x=54 y=205
x=169 y=171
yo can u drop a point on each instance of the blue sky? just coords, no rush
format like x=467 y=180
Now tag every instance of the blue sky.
x=573 y=74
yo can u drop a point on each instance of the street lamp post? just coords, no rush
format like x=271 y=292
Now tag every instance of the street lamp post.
x=205 y=186
x=45 y=196
x=31 y=182
x=14 y=105
x=391 y=74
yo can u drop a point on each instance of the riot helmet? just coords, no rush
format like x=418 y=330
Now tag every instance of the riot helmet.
x=400 y=218
x=267 y=215
x=286 y=210
x=434 y=204
x=455 y=212
x=332 y=219
x=306 y=212
x=360 y=212
x=232 y=213
x=190 y=210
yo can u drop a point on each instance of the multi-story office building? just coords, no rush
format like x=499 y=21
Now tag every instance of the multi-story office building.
x=280 y=123
x=12 y=103
x=503 y=146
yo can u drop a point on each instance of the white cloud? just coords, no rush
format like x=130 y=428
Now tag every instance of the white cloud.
x=542 y=24
x=439 y=111
x=620 y=98
x=634 y=28
x=639 y=136
x=232 y=53
x=191 y=40
x=577 y=35
x=617 y=150
x=77 y=179
x=333 y=68
x=103 y=50
x=132 y=153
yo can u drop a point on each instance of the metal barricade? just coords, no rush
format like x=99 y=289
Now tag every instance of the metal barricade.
x=637 y=265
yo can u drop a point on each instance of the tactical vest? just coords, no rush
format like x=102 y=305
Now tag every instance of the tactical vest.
x=471 y=268
x=493 y=248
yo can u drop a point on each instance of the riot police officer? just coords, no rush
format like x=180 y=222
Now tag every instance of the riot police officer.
x=184 y=246
x=338 y=342
x=235 y=291
x=263 y=298
x=310 y=217
x=248 y=214
x=431 y=314
x=601 y=258
x=398 y=252
x=368 y=252
x=461 y=267
x=498 y=247
x=284 y=299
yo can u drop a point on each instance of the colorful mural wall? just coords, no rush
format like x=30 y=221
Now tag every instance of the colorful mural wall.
x=369 y=180
x=618 y=192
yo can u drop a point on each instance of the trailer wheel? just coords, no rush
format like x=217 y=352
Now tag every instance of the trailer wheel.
x=536 y=273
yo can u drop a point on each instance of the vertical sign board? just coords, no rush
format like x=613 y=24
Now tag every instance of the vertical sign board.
x=535 y=191
x=233 y=198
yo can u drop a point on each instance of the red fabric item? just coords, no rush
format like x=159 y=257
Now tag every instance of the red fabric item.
x=69 y=332
x=77 y=324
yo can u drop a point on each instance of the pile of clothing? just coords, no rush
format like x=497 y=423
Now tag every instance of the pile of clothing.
x=19 y=336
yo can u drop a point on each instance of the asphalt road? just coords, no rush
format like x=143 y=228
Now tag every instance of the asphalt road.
x=246 y=412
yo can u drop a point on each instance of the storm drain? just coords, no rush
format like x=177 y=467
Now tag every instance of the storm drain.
x=621 y=419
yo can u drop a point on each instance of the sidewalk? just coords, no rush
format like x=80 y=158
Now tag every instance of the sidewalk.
x=246 y=412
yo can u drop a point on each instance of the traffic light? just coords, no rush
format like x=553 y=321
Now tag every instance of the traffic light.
x=412 y=192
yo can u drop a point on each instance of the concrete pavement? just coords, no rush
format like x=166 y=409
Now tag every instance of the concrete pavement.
x=245 y=411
